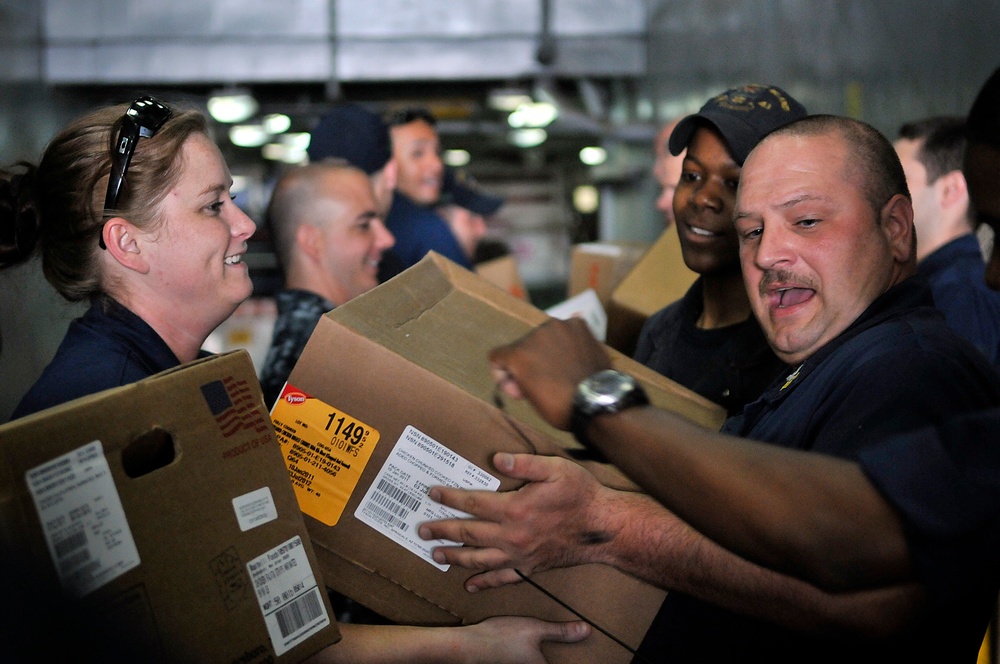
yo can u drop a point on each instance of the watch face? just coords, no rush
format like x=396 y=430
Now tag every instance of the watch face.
x=607 y=387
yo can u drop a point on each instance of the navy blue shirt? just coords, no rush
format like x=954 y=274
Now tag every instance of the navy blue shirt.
x=956 y=273
x=417 y=229
x=109 y=346
x=730 y=366
x=896 y=369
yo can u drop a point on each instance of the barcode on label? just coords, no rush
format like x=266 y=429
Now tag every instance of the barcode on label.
x=399 y=495
x=300 y=612
x=384 y=516
x=70 y=544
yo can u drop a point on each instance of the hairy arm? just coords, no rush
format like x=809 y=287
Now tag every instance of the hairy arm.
x=564 y=517
x=805 y=514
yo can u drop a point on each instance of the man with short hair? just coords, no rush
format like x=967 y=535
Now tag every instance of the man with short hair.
x=358 y=136
x=826 y=244
x=412 y=218
x=329 y=239
x=931 y=151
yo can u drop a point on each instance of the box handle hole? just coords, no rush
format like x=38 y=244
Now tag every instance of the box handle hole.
x=148 y=452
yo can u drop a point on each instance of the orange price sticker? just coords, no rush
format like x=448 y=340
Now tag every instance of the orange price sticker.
x=325 y=451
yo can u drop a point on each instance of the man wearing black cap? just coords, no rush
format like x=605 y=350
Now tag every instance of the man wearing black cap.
x=359 y=137
x=466 y=208
x=708 y=341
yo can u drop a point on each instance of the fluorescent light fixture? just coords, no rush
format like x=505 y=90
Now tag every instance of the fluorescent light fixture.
x=284 y=153
x=277 y=123
x=232 y=107
x=528 y=138
x=248 y=135
x=456 y=158
x=296 y=140
x=586 y=199
x=593 y=155
x=507 y=99
x=535 y=114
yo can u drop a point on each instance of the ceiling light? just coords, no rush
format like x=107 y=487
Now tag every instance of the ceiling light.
x=277 y=123
x=528 y=138
x=456 y=158
x=248 y=135
x=297 y=140
x=232 y=107
x=507 y=99
x=593 y=155
x=586 y=199
x=534 y=114
x=284 y=153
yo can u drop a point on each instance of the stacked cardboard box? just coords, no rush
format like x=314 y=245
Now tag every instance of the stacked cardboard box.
x=155 y=523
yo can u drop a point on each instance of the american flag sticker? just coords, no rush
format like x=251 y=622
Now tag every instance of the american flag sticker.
x=232 y=403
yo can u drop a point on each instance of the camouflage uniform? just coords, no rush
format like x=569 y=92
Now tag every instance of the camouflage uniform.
x=298 y=313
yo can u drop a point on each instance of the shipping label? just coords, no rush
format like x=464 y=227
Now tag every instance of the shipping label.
x=397 y=502
x=82 y=518
x=255 y=508
x=288 y=595
x=325 y=451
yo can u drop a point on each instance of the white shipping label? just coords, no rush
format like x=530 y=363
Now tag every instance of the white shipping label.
x=288 y=595
x=255 y=508
x=83 y=519
x=396 y=502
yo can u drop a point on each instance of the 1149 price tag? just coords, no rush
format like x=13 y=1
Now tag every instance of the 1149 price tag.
x=325 y=451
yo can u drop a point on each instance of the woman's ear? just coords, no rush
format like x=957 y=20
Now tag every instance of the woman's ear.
x=122 y=240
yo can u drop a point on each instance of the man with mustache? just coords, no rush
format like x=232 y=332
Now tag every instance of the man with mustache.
x=826 y=245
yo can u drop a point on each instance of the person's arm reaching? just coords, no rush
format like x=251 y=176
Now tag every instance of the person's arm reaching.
x=806 y=514
x=564 y=517
x=501 y=640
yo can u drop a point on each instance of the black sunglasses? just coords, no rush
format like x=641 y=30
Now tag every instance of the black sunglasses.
x=142 y=119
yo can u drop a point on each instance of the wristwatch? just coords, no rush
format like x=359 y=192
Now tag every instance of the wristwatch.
x=606 y=391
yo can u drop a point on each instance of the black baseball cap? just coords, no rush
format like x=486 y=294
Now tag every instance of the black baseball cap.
x=354 y=134
x=458 y=189
x=743 y=115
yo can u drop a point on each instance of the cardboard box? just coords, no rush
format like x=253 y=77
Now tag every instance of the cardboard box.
x=155 y=522
x=503 y=273
x=601 y=266
x=659 y=278
x=392 y=394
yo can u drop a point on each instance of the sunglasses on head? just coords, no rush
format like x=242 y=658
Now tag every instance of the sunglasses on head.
x=142 y=119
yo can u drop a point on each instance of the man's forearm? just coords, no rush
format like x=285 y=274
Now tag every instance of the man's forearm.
x=656 y=546
x=812 y=516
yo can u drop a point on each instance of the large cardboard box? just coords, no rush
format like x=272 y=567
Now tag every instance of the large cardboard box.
x=393 y=394
x=601 y=266
x=659 y=278
x=504 y=273
x=156 y=523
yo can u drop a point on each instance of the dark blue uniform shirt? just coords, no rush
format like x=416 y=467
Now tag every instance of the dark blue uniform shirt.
x=730 y=366
x=109 y=346
x=896 y=369
x=417 y=229
x=956 y=273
